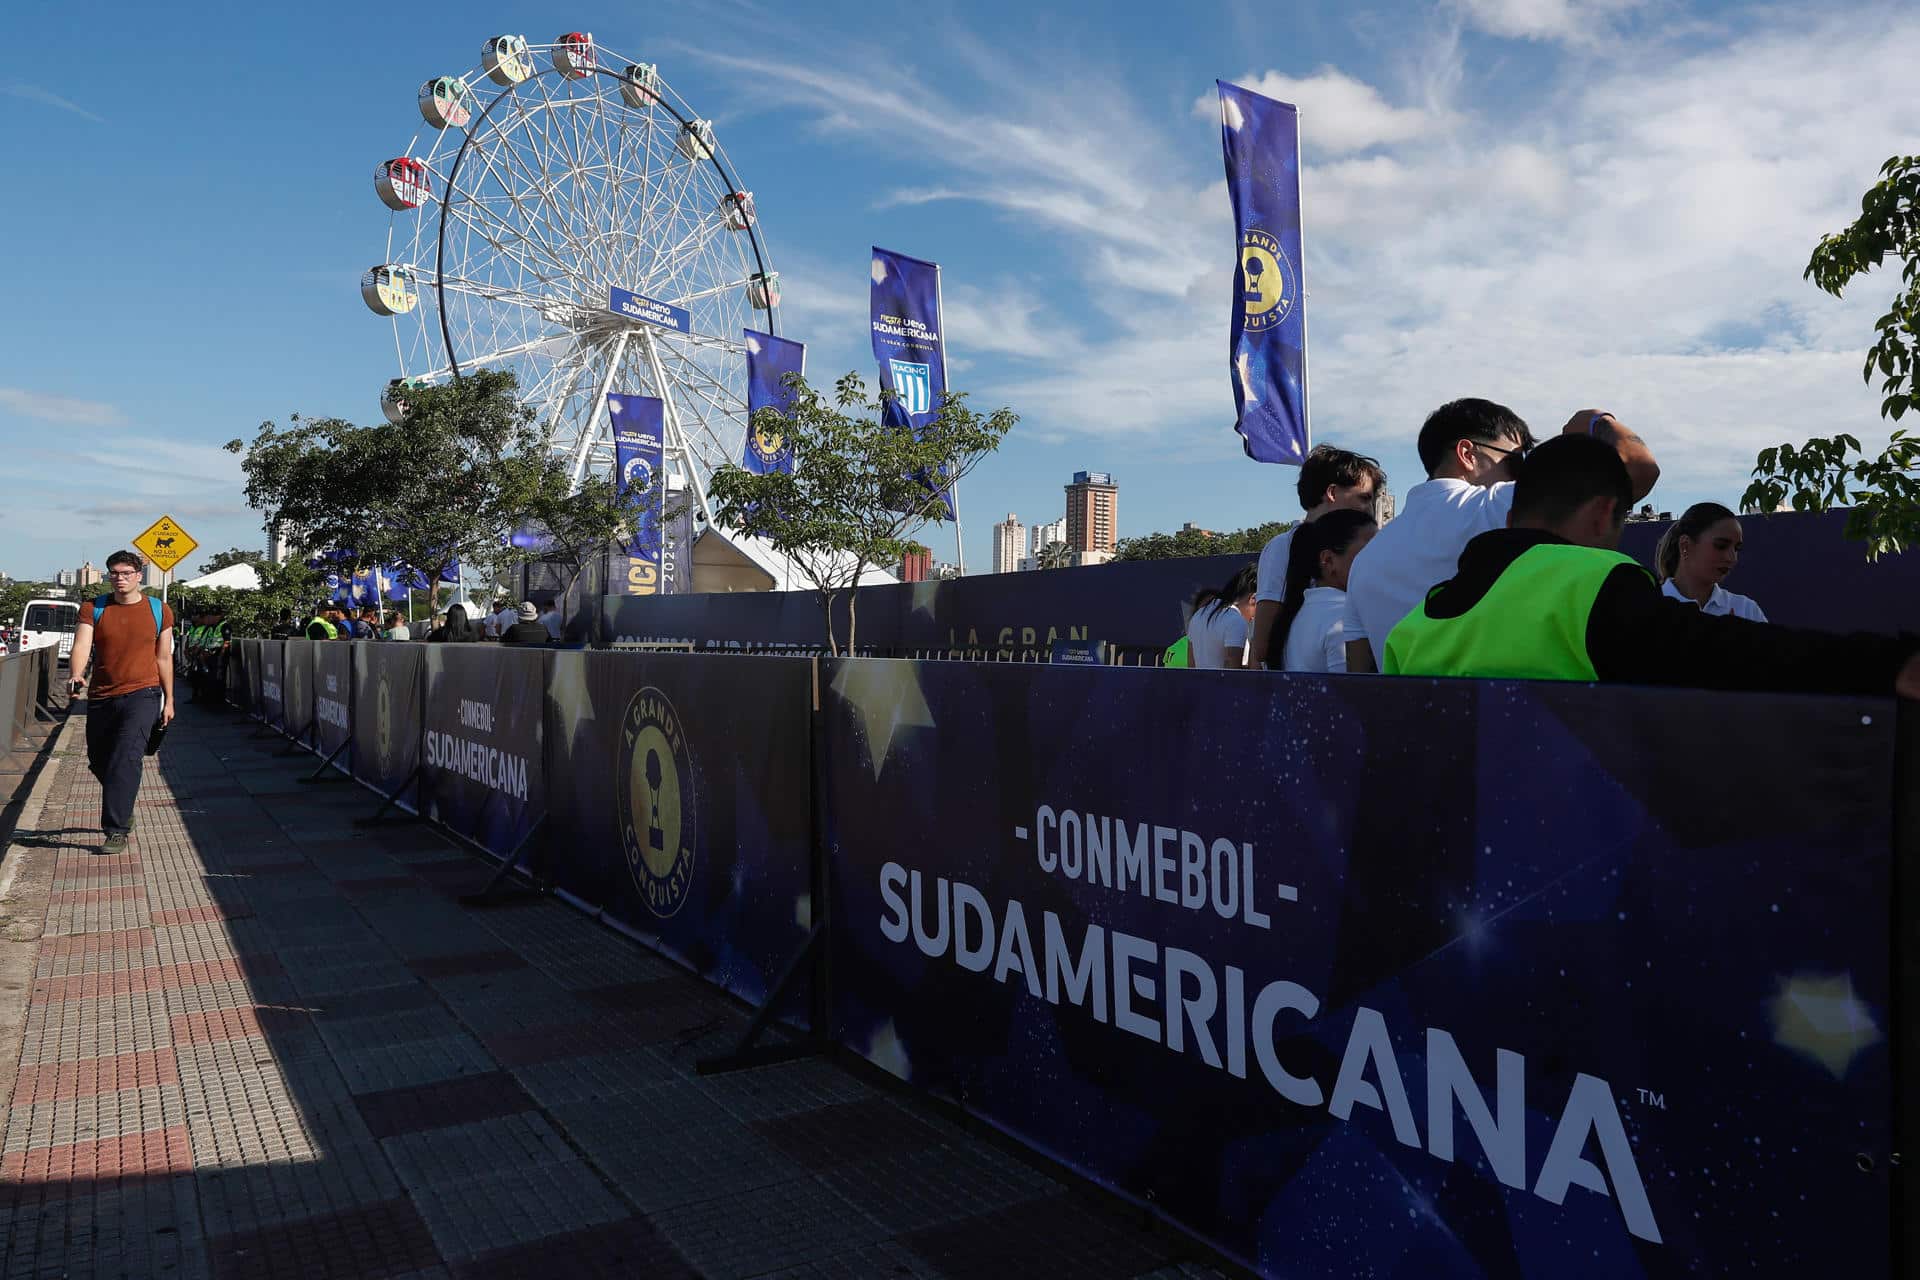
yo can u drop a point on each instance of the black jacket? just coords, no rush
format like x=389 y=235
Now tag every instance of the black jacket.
x=525 y=633
x=1637 y=635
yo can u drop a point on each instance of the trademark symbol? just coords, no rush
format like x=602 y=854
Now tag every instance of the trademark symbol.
x=1658 y=1101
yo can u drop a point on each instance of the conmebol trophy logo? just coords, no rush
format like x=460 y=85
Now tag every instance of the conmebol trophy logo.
x=383 y=724
x=766 y=445
x=659 y=807
x=1267 y=290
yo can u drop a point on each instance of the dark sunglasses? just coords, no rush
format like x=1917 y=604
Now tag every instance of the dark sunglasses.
x=1522 y=449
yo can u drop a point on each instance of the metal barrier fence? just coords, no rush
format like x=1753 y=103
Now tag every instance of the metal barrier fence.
x=1334 y=972
x=26 y=691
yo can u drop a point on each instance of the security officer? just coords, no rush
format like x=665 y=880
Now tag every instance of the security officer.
x=322 y=627
x=1550 y=597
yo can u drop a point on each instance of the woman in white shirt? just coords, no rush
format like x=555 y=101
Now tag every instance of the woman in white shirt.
x=1217 y=632
x=1309 y=633
x=1698 y=551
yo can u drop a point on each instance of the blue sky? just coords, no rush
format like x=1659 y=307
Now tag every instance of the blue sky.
x=1554 y=203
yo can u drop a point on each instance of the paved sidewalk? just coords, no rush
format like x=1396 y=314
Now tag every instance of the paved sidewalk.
x=264 y=1043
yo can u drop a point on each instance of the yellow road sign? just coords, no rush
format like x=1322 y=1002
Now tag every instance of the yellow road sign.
x=165 y=543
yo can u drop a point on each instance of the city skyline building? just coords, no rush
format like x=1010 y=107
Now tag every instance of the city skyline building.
x=1008 y=543
x=916 y=565
x=89 y=576
x=1093 y=512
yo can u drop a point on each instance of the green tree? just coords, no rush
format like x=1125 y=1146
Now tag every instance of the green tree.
x=1198 y=542
x=1053 y=555
x=253 y=613
x=450 y=483
x=232 y=556
x=853 y=497
x=1883 y=491
x=14 y=597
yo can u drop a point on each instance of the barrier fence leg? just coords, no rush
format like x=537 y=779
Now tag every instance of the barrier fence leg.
x=746 y=1053
x=321 y=774
x=485 y=898
x=373 y=819
x=294 y=742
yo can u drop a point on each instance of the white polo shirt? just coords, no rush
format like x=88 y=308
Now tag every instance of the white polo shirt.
x=1317 y=640
x=1416 y=551
x=1273 y=567
x=1211 y=638
x=1722 y=601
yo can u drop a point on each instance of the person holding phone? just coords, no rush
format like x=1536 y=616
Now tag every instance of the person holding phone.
x=129 y=639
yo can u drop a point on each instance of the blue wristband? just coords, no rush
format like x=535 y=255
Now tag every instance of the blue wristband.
x=1594 y=421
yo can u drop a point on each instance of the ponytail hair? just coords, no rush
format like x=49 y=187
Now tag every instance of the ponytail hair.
x=1244 y=582
x=1335 y=532
x=1693 y=522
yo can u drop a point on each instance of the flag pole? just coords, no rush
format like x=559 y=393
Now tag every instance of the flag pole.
x=953 y=490
x=1306 y=366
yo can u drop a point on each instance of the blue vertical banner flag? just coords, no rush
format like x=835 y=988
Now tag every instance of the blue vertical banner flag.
x=638 y=426
x=769 y=361
x=1268 y=353
x=905 y=302
x=366 y=586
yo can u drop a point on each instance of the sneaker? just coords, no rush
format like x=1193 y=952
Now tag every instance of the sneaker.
x=116 y=842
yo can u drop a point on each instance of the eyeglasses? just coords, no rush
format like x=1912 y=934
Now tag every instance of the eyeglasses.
x=1522 y=449
x=123 y=573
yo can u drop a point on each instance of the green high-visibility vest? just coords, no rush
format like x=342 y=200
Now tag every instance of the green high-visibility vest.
x=1530 y=625
x=325 y=625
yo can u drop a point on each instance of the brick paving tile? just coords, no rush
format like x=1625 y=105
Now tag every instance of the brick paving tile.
x=464 y=964
x=827 y=1136
x=377 y=884
x=1061 y=1237
x=619 y=1250
x=93 y=943
x=202 y=915
x=232 y=1024
x=94 y=1075
x=375 y=1241
x=92 y=986
x=87 y=897
x=134 y=1155
x=448 y=1102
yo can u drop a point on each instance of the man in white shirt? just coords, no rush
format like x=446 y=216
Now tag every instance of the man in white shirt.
x=1329 y=479
x=505 y=614
x=551 y=619
x=1472 y=451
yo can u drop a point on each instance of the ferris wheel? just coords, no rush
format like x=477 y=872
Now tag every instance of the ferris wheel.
x=568 y=217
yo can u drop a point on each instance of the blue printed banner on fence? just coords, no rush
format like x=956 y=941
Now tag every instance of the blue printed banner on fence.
x=386 y=720
x=1268 y=349
x=332 y=696
x=904 y=302
x=483 y=770
x=682 y=798
x=1554 y=1009
x=769 y=361
x=638 y=306
x=638 y=422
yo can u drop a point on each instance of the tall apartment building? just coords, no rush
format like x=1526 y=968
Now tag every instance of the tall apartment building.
x=281 y=540
x=89 y=576
x=1383 y=506
x=1042 y=534
x=65 y=577
x=1093 y=512
x=1008 y=542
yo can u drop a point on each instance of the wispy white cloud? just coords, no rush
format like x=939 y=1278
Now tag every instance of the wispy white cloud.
x=44 y=406
x=1341 y=114
x=34 y=93
x=1572 y=21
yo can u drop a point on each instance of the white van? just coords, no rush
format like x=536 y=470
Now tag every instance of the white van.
x=48 y=622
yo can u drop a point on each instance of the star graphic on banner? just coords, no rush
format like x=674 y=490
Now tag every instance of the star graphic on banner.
x=885 y=694
x=923 y=596
x=1822 y=1018
x=568 y=689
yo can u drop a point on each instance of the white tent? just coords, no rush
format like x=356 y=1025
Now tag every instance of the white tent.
x=241 y=577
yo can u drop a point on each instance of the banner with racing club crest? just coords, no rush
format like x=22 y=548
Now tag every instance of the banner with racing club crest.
x=769 y=361
x=638 y=452
x=1268 y=348
x=905 y=304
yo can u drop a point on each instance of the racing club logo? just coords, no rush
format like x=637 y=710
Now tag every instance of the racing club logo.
x=659 y=812
x=1267 y=287
x=913 y=385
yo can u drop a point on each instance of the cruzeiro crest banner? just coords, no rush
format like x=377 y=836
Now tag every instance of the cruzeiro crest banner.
x=905 y=300
x=638 y=455
x=1268 y=351
x=769 y=360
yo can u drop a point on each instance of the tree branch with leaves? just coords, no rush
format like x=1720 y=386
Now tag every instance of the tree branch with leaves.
x=859 y=487
x=1883 y=492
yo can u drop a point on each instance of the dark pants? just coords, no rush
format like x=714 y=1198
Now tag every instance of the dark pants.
x=117 y=730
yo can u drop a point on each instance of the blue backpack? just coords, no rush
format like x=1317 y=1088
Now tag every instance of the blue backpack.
x=100 y=607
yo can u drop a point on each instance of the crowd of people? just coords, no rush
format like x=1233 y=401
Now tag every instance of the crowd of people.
x=1505 y=563
x=516 y=624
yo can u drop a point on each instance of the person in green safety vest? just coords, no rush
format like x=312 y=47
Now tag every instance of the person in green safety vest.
x=322 y=627
x=1550 y=597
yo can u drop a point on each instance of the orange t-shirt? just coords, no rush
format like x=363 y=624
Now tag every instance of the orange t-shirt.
x=126 y=651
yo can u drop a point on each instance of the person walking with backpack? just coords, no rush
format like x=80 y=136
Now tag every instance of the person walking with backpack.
x=129 y=638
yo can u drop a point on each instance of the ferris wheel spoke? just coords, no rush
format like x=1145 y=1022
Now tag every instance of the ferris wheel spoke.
x=529 y=225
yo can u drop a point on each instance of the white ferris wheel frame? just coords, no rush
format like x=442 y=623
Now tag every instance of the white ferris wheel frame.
x=565 y=190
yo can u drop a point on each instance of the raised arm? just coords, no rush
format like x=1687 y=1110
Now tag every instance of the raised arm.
x=1603 y=426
